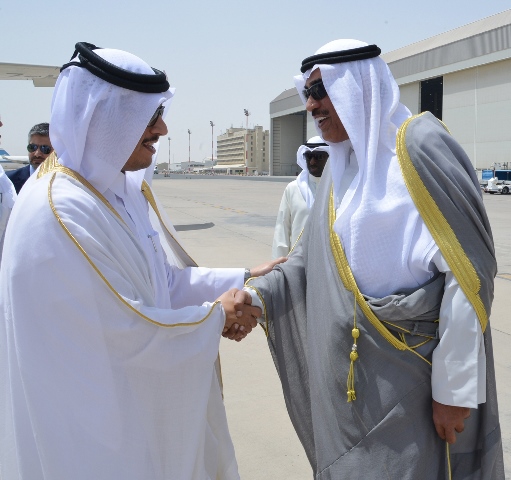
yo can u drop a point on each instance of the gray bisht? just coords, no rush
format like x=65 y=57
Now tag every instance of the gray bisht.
x=388 y=431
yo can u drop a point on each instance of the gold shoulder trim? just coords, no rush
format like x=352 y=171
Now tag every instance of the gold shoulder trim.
x=148 y=194
x=440 y=229
x=108 y=284
x=51 y=164
x=350 y=284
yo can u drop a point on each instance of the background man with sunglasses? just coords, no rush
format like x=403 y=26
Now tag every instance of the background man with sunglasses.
x=298 y=196
x=39 y=148
x=378 y=323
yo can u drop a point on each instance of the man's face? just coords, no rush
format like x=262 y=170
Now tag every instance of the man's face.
x=316 y=162
x=142 y=156
x=324 y=113
x=38 y=157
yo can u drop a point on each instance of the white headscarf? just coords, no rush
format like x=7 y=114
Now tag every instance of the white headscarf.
x=95 y=126
x=303 y=180
x=376 y=218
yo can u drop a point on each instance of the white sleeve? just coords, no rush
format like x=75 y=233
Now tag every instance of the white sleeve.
x=458 y=374
x=256 y=302
x=282 y=236
x=196 y=285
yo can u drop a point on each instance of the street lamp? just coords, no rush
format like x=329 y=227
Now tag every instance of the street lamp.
x=212 y=125
x=189 y=139
x=247 y=113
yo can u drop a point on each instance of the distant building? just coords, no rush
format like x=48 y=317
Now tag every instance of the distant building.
x=462 y=76
x=242 y=150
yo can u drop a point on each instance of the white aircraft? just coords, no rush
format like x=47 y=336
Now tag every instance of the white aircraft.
x=41 y=75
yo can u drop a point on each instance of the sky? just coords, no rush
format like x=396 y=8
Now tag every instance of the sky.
x=221 y=56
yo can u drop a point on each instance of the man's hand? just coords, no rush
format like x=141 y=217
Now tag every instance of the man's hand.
x=240 y=315
x=264 y=268
x=448 y=420
x=242 y=305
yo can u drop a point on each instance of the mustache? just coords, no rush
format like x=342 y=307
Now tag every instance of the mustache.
x=317 y=112
x=154 y=138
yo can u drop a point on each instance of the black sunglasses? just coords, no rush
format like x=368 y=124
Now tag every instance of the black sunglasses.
x=317 y=91
x=158 y=113
x=320 y=156
x=44 y=149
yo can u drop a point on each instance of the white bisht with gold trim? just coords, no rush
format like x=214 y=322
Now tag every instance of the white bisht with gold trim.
x=100 y=377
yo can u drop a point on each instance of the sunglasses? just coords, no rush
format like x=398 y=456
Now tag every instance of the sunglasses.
x=44 y=149
x=317 y=91
x=158 y=113
x=319 y=156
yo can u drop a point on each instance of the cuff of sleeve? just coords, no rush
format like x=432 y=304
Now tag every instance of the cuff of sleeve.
x=455 y=383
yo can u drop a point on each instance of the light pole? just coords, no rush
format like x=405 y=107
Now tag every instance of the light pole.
x=247 y=113
x=168 y=169
x=189 y=139
x=212 y=125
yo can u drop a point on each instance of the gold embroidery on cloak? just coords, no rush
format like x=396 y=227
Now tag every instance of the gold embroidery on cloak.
x=441 y=231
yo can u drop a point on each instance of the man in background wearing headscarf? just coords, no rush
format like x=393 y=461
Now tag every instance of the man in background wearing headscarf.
x=387 y=295
x=107 y=366
x=298 y=196
x=7 y=199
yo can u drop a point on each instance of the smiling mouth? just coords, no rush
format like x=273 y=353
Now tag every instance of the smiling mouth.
x=149 y=145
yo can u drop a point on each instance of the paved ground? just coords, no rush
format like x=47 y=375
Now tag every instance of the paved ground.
x=229 y=223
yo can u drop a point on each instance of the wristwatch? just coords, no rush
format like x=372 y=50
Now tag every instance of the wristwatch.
x=247 y=275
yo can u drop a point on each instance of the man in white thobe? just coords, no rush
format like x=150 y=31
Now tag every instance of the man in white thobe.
x=109 y=333
x=298 y=196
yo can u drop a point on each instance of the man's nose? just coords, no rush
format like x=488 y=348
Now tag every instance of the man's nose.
x=160 y=127
x=311 y=104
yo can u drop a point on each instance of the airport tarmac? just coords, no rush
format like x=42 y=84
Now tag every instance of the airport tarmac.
x=225 y=222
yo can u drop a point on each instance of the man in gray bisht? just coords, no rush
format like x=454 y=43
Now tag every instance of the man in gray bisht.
x=378 y=322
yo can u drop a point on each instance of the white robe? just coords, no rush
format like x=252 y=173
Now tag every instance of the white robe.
x=106 y=377
x=291 y=218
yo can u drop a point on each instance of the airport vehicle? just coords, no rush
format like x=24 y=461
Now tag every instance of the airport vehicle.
x=497 y=187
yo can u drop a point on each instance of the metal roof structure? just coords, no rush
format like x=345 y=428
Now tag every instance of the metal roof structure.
x=478 y=43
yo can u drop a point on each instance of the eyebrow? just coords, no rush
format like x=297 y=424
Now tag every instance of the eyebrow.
x=314 y=82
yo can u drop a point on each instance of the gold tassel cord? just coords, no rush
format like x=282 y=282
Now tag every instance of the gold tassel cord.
x=355 y=333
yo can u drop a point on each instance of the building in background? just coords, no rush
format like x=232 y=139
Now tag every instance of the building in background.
x=243 y=150
x=462 y=76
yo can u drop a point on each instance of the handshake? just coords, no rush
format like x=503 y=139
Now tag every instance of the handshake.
x=240 y=316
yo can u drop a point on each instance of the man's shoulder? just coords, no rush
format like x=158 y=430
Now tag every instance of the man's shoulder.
x=424 y=128
x=19 y=171
x=292 y=185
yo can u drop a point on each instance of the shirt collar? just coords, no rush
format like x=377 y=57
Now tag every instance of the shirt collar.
x=118 y=186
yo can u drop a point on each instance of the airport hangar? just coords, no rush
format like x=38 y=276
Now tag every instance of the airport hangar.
x=463 y=76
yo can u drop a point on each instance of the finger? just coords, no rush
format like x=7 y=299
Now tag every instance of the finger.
x=440 y=431
x=241 y=298
x=450 y=436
